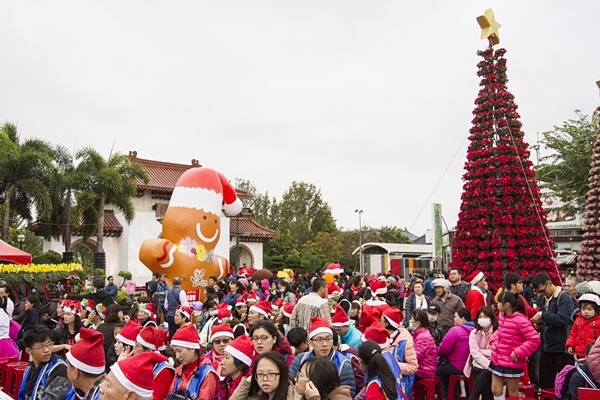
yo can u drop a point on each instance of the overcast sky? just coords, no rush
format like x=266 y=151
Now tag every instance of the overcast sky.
x=371 y=101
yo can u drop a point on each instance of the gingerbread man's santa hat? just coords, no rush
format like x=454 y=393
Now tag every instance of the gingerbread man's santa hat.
x=205 y=189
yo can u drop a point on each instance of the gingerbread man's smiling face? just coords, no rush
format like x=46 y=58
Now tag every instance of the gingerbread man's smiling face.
x=196 y=230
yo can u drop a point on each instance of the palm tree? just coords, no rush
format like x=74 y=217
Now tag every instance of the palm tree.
x=62 y=182
x=102 y=181
x=23 y=176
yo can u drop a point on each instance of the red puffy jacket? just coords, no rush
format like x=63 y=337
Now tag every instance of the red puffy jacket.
x=583 y=333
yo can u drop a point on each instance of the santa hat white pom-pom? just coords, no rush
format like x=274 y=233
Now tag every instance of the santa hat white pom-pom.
x=234 y=208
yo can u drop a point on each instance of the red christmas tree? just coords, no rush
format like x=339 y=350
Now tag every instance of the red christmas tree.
x=588 y=260
x=501 y=225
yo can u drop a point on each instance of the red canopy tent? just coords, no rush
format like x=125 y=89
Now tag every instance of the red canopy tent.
x=14 y=255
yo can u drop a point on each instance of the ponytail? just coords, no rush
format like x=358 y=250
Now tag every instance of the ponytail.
x=370 y=353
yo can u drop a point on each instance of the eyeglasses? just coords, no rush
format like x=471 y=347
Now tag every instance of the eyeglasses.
x=271 y=376
x=321 y=340
x=260 y=338
x=543 y=290
x=47 y=346
x=219 y=341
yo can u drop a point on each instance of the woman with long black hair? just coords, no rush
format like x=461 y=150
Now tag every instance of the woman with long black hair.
x=381 y=383
x=68 y=327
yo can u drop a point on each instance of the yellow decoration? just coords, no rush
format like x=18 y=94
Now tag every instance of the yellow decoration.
x=489 y=27
x=39 y=268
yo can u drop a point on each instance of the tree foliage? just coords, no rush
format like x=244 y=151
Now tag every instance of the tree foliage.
x=566 y=171
x=259 y=203
x=101 y=181
x=303 y=212
x=24 y=168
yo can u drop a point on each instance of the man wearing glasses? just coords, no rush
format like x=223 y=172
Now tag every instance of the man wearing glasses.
x=46 y=375
x=553 y=321
x=321 y=341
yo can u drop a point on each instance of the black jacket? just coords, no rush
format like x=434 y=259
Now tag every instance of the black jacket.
x=99 y=296
x=556 y=317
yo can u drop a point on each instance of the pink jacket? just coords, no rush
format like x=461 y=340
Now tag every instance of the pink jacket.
x=594 y=360
x=515 y=333
x=410 y=364
x=481 y=349
x=426 y=358
x=455 y=345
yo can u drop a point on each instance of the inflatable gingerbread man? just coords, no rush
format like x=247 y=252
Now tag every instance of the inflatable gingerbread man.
x=191 y=229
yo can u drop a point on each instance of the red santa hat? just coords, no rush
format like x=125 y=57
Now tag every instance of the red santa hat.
x=223 y=314
x=147 y=308
x=101 y=310
x=318 y=325
x=240 y=301
x=129 y=333
x=262 y=307
x=152 y=338
x=339 y=317
x=87 y=354
x=186 y=311
x=393 y=316
x=475 y=277
x=241 y=348
x=377 y=333
x=205 y=189
x=222 y=330
x=136 y=373
x=252 y=297
x=277 y=304
x=72 y=307
x=288 y=309
x=88 y=304
x=333 y=290
x=378 y=287
x=186 y=336
x=334 y=269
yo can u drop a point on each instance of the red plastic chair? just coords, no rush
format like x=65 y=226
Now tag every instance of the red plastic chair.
x=454 y=379
x=588 y=394
x=547 y=394
x=14 y=379
x=6 y=368
x=528 y=390
x=5 y=360
x=425 y=389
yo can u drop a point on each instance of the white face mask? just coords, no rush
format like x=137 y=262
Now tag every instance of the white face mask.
x=212 y=313
x=484 y=322
x=433 y=318
x=282 y=290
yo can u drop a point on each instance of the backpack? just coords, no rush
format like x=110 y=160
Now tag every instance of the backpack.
x=407 y=381
x=563 y=379
x=397 y=372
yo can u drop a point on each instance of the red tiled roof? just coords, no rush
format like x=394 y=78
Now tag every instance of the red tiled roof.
x=112 y=226
x=249 y=230
x=164 y=176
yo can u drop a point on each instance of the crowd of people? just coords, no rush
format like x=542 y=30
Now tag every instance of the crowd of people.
x=308 y=338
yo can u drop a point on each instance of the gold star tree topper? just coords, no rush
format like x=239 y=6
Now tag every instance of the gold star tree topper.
x=489 y=27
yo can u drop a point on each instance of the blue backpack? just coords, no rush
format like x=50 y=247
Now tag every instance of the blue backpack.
x=397 y=372
x=407 y=382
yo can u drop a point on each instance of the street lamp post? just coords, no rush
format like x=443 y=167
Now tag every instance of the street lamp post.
x=21 y=239
x=361 y=263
